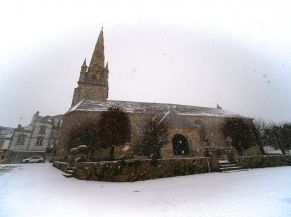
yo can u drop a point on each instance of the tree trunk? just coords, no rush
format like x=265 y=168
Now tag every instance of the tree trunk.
x=261 y=146
x=279 y=144
x=112 y=152
x=283 y=150
x=262 y=149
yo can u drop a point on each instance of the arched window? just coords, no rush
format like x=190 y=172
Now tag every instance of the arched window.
x=180 y=145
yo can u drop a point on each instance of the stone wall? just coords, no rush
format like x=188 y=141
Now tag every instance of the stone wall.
x=213 y=126
x=191 y=134
x=135 y=170
x=70 y=120
x=260 y=161
x=60 y=165
x=90 y=92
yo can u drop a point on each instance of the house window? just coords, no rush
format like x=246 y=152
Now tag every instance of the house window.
x=20 y=139
x=42 y=130
x=39 y=141
x=1 y=143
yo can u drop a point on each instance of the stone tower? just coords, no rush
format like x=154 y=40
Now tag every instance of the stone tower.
x=93 y=80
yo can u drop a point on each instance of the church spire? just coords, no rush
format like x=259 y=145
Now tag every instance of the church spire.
x=83 y=71
x=98 y=54
x=84 y=64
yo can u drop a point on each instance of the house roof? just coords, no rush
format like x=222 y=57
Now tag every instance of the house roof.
x=6 y=132
x=48 y=118
x=151 y=108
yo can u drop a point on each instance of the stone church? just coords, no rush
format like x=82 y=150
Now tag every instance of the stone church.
x=193 y=131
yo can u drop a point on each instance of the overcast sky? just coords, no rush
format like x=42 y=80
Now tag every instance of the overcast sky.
x=234 y=53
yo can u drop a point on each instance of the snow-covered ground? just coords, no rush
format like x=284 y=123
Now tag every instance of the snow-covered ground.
x=39 y=190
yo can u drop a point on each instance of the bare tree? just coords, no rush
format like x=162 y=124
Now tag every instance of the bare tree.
x=282 y=136
x=241 y=133
x=259 y=129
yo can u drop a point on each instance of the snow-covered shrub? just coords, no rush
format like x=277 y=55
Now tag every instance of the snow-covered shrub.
x=82 y=149
x=73 y=151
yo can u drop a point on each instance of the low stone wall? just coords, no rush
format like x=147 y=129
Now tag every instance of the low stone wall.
x=60 y=165
x=260 y=161
x=135 y=170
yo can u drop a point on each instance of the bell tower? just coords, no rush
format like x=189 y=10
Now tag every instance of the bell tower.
x=93 y=80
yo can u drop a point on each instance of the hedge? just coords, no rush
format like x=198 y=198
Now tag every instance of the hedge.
x=261 y=161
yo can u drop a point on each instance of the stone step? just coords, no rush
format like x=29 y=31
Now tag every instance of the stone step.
x=230 y=168
x=70 y=171
x=223 y=161
x=67 y=175
x=227 y=165
x=230 y=171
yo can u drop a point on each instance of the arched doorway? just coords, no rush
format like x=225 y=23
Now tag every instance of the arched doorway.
x=180 y=145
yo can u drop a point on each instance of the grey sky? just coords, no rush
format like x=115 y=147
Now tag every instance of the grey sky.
x=234 y=53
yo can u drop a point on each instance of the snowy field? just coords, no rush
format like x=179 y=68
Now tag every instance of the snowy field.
x=39 y=190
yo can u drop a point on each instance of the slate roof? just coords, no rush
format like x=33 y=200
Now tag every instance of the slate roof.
x=151 y=108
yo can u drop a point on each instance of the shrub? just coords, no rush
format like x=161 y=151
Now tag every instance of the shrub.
x=264 y=161
x=85 y=134
x=155 y=135
x=114 y=128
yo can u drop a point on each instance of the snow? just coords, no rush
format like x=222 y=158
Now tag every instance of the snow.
x=151 y=108
x=40 y=190
x=272 y=150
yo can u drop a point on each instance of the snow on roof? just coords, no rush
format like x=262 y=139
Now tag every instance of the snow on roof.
x=151 y=108
x=6 y=132
x=173 y=118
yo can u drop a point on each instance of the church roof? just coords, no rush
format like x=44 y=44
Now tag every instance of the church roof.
x=174 y=119
x=151 y=108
